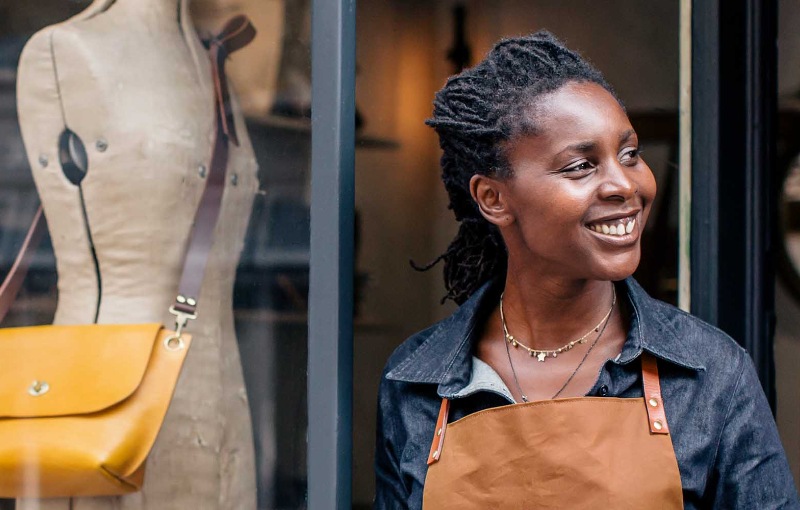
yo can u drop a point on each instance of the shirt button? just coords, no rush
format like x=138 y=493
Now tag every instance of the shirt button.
x=603 y=390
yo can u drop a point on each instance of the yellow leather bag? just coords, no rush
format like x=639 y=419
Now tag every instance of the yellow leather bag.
x=81 y=406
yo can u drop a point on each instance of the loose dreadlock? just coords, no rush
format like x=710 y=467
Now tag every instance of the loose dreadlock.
x=475 y=113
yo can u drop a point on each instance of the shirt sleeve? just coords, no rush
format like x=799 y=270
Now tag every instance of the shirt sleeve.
x=390 y=493
x=750 y=469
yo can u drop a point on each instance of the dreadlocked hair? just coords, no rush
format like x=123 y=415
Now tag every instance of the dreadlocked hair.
x=475 y=114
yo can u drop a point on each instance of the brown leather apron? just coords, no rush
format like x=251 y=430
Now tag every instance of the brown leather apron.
x=572 y=453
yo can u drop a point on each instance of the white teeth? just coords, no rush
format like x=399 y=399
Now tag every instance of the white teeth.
x=619 y=229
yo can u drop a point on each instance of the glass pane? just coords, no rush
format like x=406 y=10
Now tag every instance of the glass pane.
x=405 y=52
x=116 y=109
x=787 y=288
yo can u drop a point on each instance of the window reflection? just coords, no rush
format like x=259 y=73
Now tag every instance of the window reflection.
x=269 y=238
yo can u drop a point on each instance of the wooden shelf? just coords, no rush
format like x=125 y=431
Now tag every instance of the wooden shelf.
x=303 y=126
x=297 y=318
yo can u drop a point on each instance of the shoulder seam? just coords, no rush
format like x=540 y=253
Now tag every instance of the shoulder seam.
x=698 y=322
x=742 y=367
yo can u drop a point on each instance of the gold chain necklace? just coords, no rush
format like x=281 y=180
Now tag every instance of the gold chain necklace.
x=542 y=355
x=569 y=379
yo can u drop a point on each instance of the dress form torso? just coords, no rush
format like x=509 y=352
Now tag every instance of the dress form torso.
x=133 y=82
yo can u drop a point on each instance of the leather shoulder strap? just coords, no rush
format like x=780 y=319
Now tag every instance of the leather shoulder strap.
x=13 y=281
x=652 y=395
x=237 y=33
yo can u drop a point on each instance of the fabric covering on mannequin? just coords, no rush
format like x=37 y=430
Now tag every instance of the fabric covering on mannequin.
x=131 y=80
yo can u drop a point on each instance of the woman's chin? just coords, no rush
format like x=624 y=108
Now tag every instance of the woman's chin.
x=616 y=270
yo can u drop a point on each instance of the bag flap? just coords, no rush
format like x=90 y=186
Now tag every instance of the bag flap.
x=69 y=370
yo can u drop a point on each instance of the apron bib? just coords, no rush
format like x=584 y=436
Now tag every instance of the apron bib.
x=574 y=453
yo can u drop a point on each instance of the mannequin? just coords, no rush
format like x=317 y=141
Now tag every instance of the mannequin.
x=132 y=82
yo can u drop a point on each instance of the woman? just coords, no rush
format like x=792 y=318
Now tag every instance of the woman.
x=545 y=176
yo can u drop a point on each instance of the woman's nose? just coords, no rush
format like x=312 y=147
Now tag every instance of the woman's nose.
x=619 y=183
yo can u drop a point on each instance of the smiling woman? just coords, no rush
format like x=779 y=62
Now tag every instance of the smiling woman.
x=581 y=173
x=559 y=383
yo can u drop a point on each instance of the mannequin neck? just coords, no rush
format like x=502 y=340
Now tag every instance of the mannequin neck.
x=171 y=8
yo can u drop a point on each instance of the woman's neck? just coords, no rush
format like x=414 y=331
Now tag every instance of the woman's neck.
x=547 y=312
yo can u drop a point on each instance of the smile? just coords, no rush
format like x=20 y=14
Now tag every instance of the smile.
x=617 y=227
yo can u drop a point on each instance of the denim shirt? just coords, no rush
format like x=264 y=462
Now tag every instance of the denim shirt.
x=725 y=439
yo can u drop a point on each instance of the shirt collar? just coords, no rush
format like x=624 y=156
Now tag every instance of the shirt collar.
x=445 y=356
x=653 y=329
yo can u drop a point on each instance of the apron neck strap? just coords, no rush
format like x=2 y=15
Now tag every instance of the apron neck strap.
x=652 y=395
x=441 y=428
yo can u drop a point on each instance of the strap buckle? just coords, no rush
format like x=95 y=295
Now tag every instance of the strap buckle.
x=175 y=342
x=181 y=319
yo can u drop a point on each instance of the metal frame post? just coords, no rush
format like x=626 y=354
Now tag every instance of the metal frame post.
x=734 y=74
x=330 y=326
x=705 y=159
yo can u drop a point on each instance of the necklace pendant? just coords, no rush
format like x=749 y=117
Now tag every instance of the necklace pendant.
x=541 y=356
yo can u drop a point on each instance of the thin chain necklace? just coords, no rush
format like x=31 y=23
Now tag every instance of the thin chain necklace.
x=604 y=324
x=542 y=355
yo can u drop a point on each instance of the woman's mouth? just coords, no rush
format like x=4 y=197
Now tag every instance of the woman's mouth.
x=617 y=227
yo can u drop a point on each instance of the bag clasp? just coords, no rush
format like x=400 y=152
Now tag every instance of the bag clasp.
x=182 y=318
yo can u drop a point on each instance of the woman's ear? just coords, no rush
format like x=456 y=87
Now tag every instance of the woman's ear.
x=490 y=196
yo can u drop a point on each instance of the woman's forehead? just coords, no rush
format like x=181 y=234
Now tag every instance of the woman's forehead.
x=578 y=112
x=572 y=121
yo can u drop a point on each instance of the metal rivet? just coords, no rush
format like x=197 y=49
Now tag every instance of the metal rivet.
x=180 y=299
x=201 y=171
x=653 y=402
x=234 y=179
x=174 y=343
x=38 y=389
x=101 y=144
x=439 y=432
x=657 y=425
x=435 y=455
x=191 y=301
x=43 y=160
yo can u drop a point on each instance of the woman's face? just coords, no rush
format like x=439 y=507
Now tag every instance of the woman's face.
x=580 y=193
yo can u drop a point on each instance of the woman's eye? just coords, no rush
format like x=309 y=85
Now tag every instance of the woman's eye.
x=629 y=155
x=583 y=167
